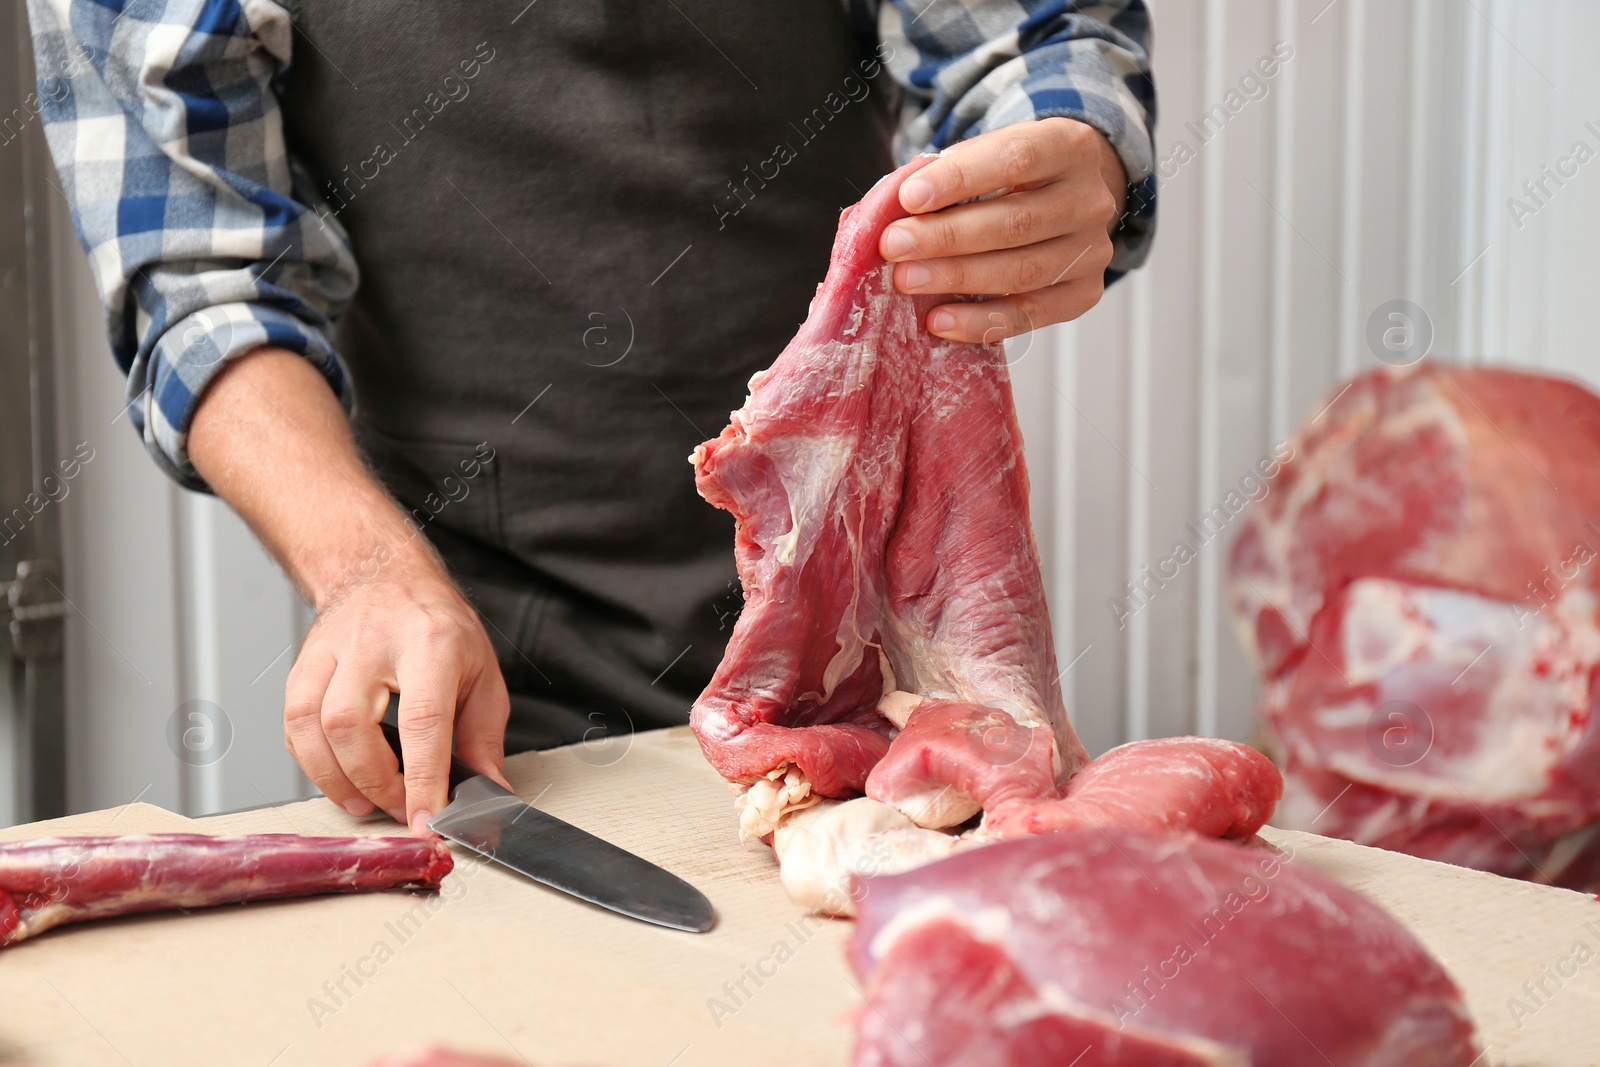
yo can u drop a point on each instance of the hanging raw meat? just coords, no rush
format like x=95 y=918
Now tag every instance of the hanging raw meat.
x=883 y=543
x=895 y=639
x=1418 y=588
x=1136 y=948
x=54 y=881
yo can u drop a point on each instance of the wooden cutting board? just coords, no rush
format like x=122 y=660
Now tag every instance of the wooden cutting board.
x=497 y=964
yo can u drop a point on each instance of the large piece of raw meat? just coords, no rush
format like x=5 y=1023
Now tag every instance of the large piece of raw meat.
x=895 y=640
x=1137 y=948
x=1419 y=589
x=883 y=543
x=53 y=881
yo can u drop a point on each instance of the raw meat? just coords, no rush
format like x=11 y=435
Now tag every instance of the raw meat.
x=53 y=881
x=955 y=759
x=876 y=475
x=1200 y=784
x=1417 y=588
x=1102 y=947
x=822 y=848
x=895 y=639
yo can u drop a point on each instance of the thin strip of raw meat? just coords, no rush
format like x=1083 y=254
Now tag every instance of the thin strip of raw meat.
x=883 y=541
x=1206 y=785
x=1134 y=948
x=954 y=759
x=53 y=881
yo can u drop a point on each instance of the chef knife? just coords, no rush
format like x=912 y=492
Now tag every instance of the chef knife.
x=483 y=816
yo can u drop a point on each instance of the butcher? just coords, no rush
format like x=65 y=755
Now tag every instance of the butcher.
x=439 y=298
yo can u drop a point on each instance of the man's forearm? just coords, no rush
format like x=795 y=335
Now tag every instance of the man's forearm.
x=271 y=440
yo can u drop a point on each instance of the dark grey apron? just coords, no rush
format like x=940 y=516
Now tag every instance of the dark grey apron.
x=581 y=227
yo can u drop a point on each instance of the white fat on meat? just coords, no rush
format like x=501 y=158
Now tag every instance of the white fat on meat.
x=898 y=706
x=763 y=805
x=822 y=848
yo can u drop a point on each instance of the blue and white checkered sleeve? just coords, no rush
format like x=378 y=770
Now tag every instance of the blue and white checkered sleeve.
x=969 y=66
x=204 y=241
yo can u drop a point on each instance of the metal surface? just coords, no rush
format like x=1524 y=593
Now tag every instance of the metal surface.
x=499 y=826
x=33 y=609
x=496 y=824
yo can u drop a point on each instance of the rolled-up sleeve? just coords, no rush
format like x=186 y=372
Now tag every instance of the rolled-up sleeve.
x=204 y=240
x=969 y=66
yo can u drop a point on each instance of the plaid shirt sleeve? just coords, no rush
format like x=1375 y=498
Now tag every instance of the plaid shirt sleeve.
x=969 y=66
x=204 y=240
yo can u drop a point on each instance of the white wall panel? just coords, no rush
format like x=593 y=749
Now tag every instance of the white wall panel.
x=1375 y=167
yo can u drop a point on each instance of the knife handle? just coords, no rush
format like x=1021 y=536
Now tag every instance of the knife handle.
x=459 y=772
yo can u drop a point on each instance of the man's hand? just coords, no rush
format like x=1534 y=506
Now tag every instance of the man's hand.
x=404 y=630
x=270 y=438
x=1042 y=246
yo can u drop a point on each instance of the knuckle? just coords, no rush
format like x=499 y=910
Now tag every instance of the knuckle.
x=427 y=716
x=998 y=325
x=341 y=723
x=1021 y=224
x=300 y=712
x=1030 y=274
x=1026 y=314
x=1075 y=134
x=954 y=274
x=1018 y=158
x=1104 y=207
x=942 y=234
x=434 y=632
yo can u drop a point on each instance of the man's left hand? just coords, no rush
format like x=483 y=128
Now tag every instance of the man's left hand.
x=1041 y=248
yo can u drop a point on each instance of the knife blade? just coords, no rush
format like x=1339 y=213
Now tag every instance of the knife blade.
x=495 y=823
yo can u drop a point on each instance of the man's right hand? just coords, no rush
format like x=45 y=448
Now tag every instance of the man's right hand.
x=406 y=630
x=271 y=439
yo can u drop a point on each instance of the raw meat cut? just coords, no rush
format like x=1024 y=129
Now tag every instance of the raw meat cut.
x=1417 y=589
x=53 y=881
x=1121 y=947
x=1200 y=784
x=895 y=639
x=876 y=476
x=955 y=759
